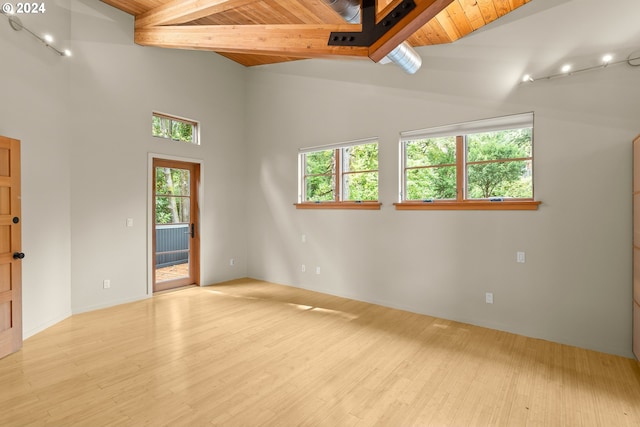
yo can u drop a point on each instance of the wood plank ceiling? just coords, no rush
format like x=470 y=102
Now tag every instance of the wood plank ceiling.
x=256 y=32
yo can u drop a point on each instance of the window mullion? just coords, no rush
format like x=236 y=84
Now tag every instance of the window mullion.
x=361 y=171
x=429 y=166
x=338 y=175
x=506 y=160
x=461 y=172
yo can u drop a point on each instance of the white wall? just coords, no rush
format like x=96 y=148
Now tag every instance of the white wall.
x=85 y=125
x=575 y=287
x=115 y=87
x=34 y=109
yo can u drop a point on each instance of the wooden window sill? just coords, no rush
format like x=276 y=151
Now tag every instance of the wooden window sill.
x=482 y=205
x=339 y=205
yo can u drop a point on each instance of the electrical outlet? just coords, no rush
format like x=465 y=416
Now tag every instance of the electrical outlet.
x=520 y=257
x=488 y=297
x=317 y=270
x=232 y=262
x=303 y=268
x=129 y=222
x=303 y=238
x=106 y=284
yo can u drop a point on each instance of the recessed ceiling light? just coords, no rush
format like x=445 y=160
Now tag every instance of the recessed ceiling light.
x=48 y=38
x=566 y=68
x=607 y=58
x=527 y=78
x=67 y=52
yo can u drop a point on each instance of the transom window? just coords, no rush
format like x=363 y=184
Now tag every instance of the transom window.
x=175 y=128
x=469 y=165
x=343 y=175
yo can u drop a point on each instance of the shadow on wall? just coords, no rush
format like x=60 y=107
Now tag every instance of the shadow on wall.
x=274 y=176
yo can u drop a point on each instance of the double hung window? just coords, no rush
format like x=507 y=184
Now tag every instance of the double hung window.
x=486 y=164
x=342 y=176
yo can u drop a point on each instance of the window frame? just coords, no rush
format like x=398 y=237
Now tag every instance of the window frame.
x=460 y=131
x=195 y=127
x=338 y=175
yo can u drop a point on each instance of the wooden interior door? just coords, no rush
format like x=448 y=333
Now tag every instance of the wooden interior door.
x=176 y=237
x=10 y=248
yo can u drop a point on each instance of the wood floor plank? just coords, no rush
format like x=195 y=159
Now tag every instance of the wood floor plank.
x=251 y=353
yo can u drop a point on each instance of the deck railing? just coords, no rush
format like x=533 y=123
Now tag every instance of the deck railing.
x=172 y=244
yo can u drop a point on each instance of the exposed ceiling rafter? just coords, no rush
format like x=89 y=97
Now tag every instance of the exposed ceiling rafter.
x=178 y=12
x=280 y=40
x=424 y=12
x=256 y=32
x=153 y=29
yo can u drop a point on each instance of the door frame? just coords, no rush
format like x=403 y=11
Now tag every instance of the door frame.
x=151 y=209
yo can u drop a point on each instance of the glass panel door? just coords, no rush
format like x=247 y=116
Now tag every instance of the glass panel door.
x=175 y=224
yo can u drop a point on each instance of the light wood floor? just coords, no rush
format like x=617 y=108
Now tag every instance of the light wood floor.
x=250 y=353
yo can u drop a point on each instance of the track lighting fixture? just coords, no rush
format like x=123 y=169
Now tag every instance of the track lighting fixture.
x=45 y=39
x=567 y=70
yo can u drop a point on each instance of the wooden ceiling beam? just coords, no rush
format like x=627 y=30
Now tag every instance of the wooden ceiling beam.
x=424 y=11
x=181 y=11
x=293 y=40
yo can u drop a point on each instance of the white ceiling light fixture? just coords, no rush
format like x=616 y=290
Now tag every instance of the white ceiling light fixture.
x=47 y=39
x=607 y=60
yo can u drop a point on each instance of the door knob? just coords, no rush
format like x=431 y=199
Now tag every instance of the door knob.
x=18 y=255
